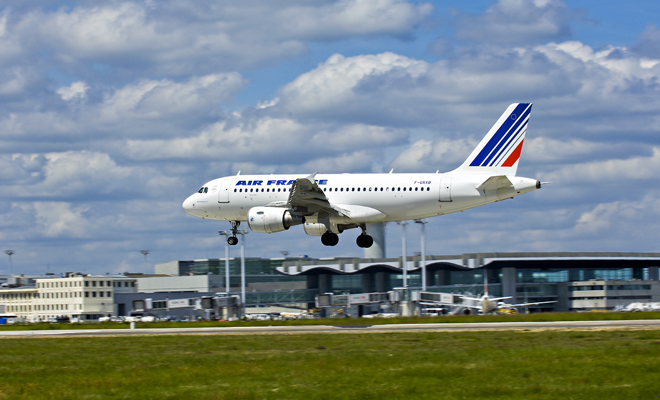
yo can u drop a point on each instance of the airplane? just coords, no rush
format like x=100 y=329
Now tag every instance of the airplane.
x=487 y=304
x=328 y=204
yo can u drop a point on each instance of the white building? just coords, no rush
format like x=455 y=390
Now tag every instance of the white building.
x=84 y=297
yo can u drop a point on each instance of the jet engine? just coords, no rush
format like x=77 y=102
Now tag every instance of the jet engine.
x=315 y=229
x=272 y=219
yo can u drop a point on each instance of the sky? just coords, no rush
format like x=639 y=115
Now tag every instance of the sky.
x=112 y=113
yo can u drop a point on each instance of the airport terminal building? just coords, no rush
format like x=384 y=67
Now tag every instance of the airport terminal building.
x=573 y=281
x=576 y=281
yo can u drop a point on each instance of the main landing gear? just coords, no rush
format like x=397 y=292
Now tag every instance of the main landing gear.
x=330 y=239
x=364 y=240
x=233 y=240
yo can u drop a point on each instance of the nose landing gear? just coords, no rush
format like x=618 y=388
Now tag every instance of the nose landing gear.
x=233 y=240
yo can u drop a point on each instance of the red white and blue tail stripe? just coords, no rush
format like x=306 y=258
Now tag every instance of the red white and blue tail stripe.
x=499 y=151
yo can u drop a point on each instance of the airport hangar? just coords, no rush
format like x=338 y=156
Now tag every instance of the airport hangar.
x=577 y=281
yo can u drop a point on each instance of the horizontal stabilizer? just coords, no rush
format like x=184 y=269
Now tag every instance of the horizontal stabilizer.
x=496 y=182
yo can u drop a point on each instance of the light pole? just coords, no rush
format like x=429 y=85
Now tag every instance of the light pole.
x=146 y=265
x=227 y=283
x=242 y=233
x=10 y=253
x=404 y=264
x=422 y=223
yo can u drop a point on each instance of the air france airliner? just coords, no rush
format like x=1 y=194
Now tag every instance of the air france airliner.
x=328 y=204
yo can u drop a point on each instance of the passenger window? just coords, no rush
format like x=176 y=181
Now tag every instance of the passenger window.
x=352 y=189
x=358 y=189
x=234 y=190
x=416 y=189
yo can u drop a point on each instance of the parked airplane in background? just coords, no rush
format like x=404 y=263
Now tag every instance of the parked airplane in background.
x=327 y=205
x=487 y=304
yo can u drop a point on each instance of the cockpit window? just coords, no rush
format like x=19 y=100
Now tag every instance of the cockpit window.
x=203 y=190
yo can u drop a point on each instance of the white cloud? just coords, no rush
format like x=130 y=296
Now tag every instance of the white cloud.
x=59 y=219
x=268 y=140
x=439 y=154
x=181 y=38
x=165 y=99
x=610 y=171
x=517 y=22
x=334 y=83
x=77 y=90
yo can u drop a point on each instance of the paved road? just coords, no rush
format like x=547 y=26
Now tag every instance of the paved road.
x=633 y=324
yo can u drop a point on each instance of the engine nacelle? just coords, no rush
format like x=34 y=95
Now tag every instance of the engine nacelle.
x=314 y=229
x=272 y=219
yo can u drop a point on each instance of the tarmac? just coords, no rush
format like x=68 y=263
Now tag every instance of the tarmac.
x=316 y=329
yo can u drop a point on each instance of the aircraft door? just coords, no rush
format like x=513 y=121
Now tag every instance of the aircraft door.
x=445 y=189
x=223 y=194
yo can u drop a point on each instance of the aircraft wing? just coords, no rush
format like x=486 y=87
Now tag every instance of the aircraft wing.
x=530 y=304
x=307 y=198
x=479 y=299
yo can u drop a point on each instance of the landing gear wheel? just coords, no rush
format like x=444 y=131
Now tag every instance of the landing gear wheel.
x=364 y=241
x=233 y=240
x=330 y=239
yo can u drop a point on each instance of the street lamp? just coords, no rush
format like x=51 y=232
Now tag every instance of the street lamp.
x=423 y=223
x=227 y=283
x=10 y=253
x=146 y=265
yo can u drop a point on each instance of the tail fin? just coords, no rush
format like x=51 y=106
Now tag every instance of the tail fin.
x=499 y=151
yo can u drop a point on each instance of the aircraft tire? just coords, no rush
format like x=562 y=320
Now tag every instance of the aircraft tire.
x=232 y=240
x=364 y=241
x=330 y=239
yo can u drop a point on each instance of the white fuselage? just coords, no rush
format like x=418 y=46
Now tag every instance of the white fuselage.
x=398 y=197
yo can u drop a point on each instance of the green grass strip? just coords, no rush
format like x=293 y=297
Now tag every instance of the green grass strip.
x=446 y=365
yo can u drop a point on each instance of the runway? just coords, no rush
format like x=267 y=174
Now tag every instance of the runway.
x=316 y=329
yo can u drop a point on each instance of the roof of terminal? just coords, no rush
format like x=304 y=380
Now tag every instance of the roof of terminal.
x=471 y=261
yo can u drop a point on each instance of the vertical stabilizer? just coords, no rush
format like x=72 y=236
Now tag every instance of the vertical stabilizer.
x=499 y=151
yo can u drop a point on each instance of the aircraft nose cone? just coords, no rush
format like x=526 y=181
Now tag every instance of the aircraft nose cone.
x=189 y=206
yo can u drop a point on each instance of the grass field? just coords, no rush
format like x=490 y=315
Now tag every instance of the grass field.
x=448 y=365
